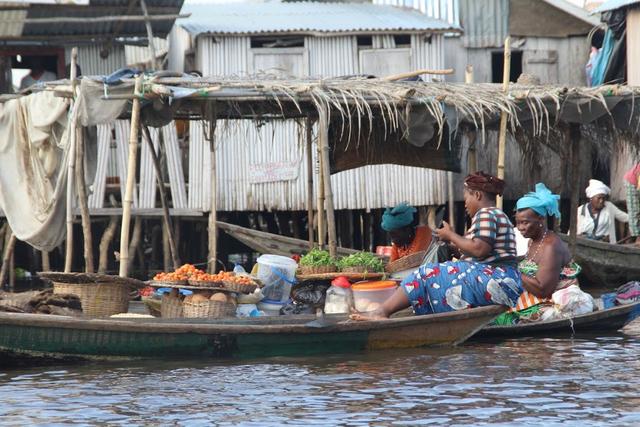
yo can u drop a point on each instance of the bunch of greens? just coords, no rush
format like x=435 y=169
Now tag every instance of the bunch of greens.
x=316 y=258
x=362 y=259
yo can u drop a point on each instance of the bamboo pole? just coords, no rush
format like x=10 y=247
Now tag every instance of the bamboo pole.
x=166 y=218
x=323 y=142
x=308 y=125
x=320 y=203
x=68 y=260
x=410 y=74
x=131 y=179
x=81 y=187
x=147 y=24
x=574 y=140
x=213 y=213
x=452 y=216
x=472 y=161
x=502 y=140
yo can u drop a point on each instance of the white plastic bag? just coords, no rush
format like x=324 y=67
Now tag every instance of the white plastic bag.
x=569 y=302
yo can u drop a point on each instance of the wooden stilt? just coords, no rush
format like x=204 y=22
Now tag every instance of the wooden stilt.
x=105 y=242
x=46 y=263
x=12 y=270
x=166 y=218
x=502 y=140
x=9 y=246
x=131 y=178
x=574 y=140
x=68 y=260
x=323 y=142
x=136 y=235
x=309 y=145
x=320 y=213
x=213 y=213
x=166 y=251
x=81 y=188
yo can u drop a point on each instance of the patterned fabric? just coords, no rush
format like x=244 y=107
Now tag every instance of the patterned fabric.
x=421 y=242
x=568 y=277
x=494 y=227
x=481 y=181
x=457 y=285
x=633 y=176
x=633 y=208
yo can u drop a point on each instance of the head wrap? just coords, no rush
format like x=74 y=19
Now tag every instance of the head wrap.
x=596 y=187
x=398 y=217
x=542 y=201
x=481 y=181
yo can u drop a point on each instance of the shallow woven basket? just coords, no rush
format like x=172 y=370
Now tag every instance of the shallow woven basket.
x=406 y=263
x=205 y=283
x=208 y=309
x=240 y=288
x=356 y=269
x=97 y=299
x=320 y=269
x=171 y=307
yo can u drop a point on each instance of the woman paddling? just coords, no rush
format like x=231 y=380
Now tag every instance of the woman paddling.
x=485 y=275
x=547 y=265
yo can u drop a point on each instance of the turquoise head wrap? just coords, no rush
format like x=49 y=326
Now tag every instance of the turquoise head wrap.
x=542 y=201
x=398 y=217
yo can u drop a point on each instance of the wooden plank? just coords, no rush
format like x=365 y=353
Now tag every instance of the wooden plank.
x=122 y=141
x=174 y=165
x=147 y=171
x=96 y=199
x=144 y=212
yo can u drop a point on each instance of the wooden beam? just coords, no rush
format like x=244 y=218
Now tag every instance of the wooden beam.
x=309 y=144
x=10 y=244
x=81 y=187
x=213 y=213
x=154 y=212
x=68 y=260
x=131 y=179
x=502 y=139
x=96 y=20
x=147 y=24
x=323 y=142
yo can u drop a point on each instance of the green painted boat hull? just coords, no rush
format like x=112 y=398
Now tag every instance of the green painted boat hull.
x=66 y=337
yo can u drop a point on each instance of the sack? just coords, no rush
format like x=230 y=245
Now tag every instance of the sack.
x=569 y=302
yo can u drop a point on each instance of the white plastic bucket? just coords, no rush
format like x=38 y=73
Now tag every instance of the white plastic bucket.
x=277 y=273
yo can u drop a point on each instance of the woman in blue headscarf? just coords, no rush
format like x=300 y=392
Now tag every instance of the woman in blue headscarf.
x=547 y=265
x=406 y=236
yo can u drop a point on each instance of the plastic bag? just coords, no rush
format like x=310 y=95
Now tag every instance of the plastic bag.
x=569 y=302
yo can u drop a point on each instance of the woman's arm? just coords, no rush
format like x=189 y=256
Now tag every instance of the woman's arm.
x=476 y=247
x=619 y=214
x=544 y=284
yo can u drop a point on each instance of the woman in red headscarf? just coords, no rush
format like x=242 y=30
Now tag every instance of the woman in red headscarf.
x=486 y=274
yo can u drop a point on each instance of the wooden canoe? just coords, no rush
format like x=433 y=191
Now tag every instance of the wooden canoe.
x=608 y=320
x=605 y=263
x=60 y=337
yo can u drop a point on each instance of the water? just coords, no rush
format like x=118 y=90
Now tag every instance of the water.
x=516 y=382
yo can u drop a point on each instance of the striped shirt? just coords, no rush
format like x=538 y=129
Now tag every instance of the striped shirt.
x=494 y=227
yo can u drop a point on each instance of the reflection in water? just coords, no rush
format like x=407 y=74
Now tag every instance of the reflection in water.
x=543 y=381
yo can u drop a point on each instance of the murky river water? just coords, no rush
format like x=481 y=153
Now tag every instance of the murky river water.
x=594 y=380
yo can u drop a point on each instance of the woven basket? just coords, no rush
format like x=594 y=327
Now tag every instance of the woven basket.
x=240 y=288
x=208 y=309
x=97 y=299
x=356 y=269
x=406 y=263
x=205 y=284
x=171 y=307
x=321 y=269
x=170 y=283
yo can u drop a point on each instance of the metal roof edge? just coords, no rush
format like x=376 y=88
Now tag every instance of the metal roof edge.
x=574 y=11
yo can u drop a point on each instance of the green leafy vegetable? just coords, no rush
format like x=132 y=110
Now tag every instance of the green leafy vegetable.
x=362 y=259
x=317 y=258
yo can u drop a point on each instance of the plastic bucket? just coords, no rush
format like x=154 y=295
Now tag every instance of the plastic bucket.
x=277 y=273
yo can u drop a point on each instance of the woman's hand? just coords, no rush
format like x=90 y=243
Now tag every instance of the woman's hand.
x=445 y=233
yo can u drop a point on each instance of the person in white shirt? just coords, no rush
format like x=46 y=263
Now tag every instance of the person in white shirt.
x=37 y=74
x=596 y=218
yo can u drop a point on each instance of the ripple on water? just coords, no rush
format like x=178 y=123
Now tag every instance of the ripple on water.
x=551 y=382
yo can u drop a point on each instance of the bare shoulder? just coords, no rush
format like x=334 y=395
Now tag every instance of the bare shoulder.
x=559 y=247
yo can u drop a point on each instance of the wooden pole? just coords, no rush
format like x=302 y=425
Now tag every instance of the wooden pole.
x=502 y=140
x=131 y=180
x=105 y=242
x=166 y=218
x=213 y=213
x=97 y=20
x=147 y=24
x=10 y=244
x=81 y=188
x=136 y=234
x=320 y=203
x=68 y=260
x=46 y=263
x=452 y=216
x=308 y=129
x=472 y=161
x=574 y=140
x=323 y=142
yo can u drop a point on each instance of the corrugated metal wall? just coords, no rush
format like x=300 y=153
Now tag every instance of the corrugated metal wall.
x=485 y=22
x=91 y=63
x=240 y=144
x=447 y=10
x=140 y=54
x=179 y=42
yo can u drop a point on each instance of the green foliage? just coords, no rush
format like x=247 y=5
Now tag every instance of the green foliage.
x=365 y=259
x=317 y=258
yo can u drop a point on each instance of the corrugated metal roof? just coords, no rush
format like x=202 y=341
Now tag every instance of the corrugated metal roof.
x=96 y=8
x=573 y=10
x=614 y=4
x=305 y=17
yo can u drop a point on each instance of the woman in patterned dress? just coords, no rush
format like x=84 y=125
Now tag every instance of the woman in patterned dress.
x=486 y=274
